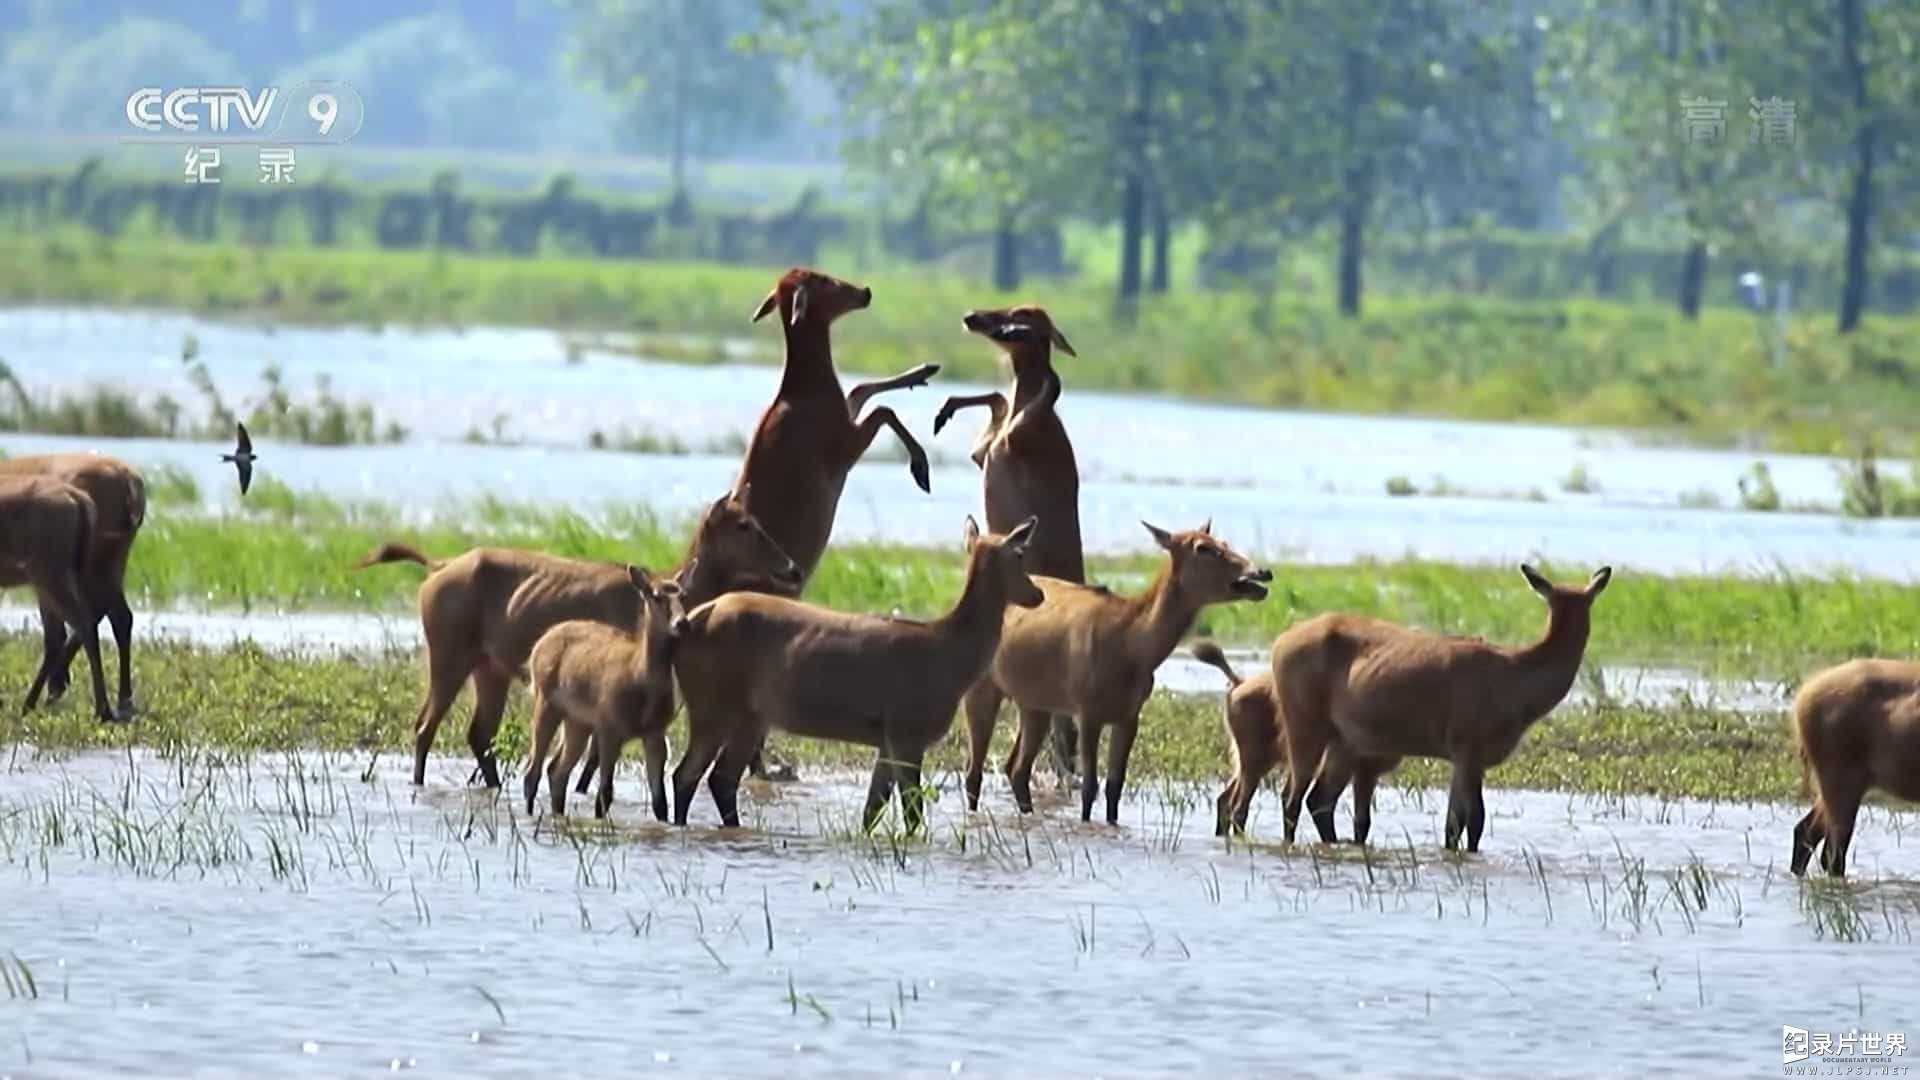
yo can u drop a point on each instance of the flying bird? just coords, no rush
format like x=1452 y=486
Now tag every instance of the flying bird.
x=242 y=458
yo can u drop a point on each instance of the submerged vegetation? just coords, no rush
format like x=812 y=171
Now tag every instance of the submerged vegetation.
x=247 y=699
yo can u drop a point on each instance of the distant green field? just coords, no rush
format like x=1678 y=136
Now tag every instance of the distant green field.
x=1572 y=362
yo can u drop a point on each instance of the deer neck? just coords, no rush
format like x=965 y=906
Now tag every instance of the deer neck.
x=809 y=363
x=1543 y=672
x=1160 y=617
x=975 y=620
x=1032 y=370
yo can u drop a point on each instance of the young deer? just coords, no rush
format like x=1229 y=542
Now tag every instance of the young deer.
x=482 y=611
x=748 y=663
x=810 y=436
x=1359 y=694
x=120 y=506
x=1857 y=726
x=1027 y=468
x=46 y=538
x=606 y=685
x=1091 y=654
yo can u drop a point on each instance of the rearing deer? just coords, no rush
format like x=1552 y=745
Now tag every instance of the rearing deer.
x=810 y=436
x=1357 y=694
x=1027 y=468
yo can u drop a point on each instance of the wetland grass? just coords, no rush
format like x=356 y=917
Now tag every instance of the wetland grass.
x=288 y=551
x=247 y=700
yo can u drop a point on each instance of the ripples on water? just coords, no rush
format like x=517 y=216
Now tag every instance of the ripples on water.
x=319 y=917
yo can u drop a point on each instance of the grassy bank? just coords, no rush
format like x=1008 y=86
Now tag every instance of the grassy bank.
x=245 y=699
x=1584 y=363
x=292 y=552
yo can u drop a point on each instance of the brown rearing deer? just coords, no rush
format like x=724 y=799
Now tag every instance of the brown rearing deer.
x=1358 y=694
x=120 y=507
x=1026 y=462
x=46 y=539
x=604 y=685
x=747 y=663
x=810 y=436
x=482 y=611
x=1856 y=727
x=1091 y=653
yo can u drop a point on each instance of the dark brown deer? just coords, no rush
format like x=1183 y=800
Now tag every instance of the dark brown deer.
x=46 y=538
x=1027 y=468
x=1857 y=727
x=120 y=506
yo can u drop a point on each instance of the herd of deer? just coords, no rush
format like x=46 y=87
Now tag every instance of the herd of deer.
x=603 y=645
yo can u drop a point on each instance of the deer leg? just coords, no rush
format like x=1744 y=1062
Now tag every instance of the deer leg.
x=608 y=751
x=546 y=722
x=1062 y=741
x=1026 y=748
x=1366 y=775
x=54 y=654
x=585 y=780
x=70 y=608
x=490 y=686
x=1808 y=835
x=881 y=416
x=1336 y=770
x=982 y=706
x=879 y=790
x=1840 y=798
x=120 y=618
x=723 y=782
x=1089 y=769
x=906 y=777
x=653 y=747
x=443 y=686
x=996 y=403
x=907 y=380
x=1119 y=750
x=1476 y=810
x=573 y=747
x=702 y=748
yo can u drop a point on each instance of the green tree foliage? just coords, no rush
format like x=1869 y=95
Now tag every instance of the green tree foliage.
x=675 y=71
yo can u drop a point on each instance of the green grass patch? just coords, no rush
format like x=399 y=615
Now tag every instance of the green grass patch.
x=246 y=700
x=1571 y=362
x=292 y=551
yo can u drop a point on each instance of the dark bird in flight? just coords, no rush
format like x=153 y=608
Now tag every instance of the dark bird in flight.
x=242 y=458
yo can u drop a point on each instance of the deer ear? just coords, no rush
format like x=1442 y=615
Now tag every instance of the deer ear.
x=641 y=580
x=1060 y=342
x=1207 y=526
x=1599 y=580
x=970 y=533
x=799 y=304
x=1160 y=535
x=1535 y=582
x=687 y=570
x=1022 y=534
x=740 y=493
x=772 y=300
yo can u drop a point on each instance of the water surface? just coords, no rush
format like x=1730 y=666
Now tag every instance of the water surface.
x=318 y=916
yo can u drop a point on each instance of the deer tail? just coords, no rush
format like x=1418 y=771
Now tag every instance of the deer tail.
x=1208 y=653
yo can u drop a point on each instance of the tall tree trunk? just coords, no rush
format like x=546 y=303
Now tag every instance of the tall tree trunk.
x=1133 y=210
x=1693 y=279
x=1358 y=177
x=1853 y=287
x=1006 y=255
x=1353 y=224
x=1162 y=276
x=1133 y=187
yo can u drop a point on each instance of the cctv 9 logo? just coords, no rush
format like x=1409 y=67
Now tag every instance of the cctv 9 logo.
x=310 y=113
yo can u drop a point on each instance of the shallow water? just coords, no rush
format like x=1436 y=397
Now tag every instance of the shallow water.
x=315 y=917
x=316 y=633
x=1300 y=485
